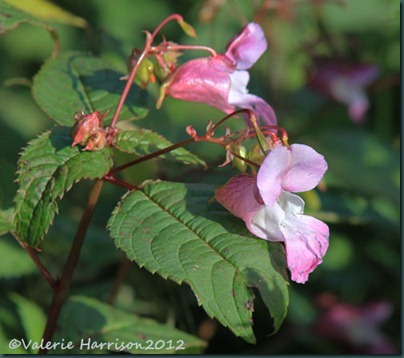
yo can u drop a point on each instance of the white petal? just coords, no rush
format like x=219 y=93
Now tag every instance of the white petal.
x=266 y=223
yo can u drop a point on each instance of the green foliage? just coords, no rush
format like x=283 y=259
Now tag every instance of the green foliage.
x=6 y=221
x=143 y=142
x=87 y=321
x=12 y=254
x=32 y=318
x=48 y=168
x=73 y=81
x=176 y=230
x=11 y=17
x=45 y=10
x=172 y=229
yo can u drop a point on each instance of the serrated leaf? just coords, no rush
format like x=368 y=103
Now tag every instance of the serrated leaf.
x=48 y=167
x=86 y=321
x=144 y=141
x=14 y=261
x=73 y=81
x=32 y=318
x=45 y=10
x=11 y=17
x=171 y=229
x=6 y=221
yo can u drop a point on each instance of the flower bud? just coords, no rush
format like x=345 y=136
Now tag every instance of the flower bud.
x=145 y=71
x=88 y=132
x=239 y=163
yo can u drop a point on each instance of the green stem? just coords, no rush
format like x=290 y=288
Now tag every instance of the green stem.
x=62 y=288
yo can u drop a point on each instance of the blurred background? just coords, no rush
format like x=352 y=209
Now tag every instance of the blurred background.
x=332 y=74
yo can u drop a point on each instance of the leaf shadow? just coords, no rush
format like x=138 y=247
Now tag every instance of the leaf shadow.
x=60 y=138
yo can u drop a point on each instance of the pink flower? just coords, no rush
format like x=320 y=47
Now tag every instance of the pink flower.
x=346 y=84
x=273 y=213
x=221 y=81
x=358 y=326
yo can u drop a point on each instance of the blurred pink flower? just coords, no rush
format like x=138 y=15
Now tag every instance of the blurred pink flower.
x=358 y=327
x=273 y=213
x=221 y=81
x=346 y=84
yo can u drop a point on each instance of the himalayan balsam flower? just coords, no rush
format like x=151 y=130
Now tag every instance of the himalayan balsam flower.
x=266 y=204
x=358 y=327
x=221 y=81
x=346 y=84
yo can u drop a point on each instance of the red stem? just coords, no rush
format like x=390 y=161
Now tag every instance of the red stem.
x=62 y=288
x=177 y=17
x=150 y=156
x=190 y=47
x=34 y=256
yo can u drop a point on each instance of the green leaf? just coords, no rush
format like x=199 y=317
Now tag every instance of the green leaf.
x=73 y=81
x=11 y=17
x=45 y=10
x=32 y=318
x=14 y=262
x=5 y=344
x=171 y=229
x=143 y=142
x=48 y=167
x=6 y=221
x=86 y=321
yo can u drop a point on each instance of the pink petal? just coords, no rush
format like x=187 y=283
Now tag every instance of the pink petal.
x=245 y=48
x=362 y=74
x=205 y=80
x=306 y=169
x=358 y=106
x=239 y=97
x=306 y=243
x=238 y=196
x=270 y=175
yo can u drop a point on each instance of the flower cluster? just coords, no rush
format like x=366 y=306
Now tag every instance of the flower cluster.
x=264 y=201
x=266 y=204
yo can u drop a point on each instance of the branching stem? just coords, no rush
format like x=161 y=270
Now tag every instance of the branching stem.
x=34 y=256
x=62 y=287
x=151 y=156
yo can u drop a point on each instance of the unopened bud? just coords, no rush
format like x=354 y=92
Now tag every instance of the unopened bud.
x=145 y=72
x=187 y=28
x=191 y=131
x=239 y=163
x=87 y=131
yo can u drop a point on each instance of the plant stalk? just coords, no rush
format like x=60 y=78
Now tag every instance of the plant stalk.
x=34 y=256
x=62 y=288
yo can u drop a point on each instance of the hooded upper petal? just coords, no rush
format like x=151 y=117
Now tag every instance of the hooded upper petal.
x=245 y=48
x=203 y=80
x=239 y=196
x=296 y=169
